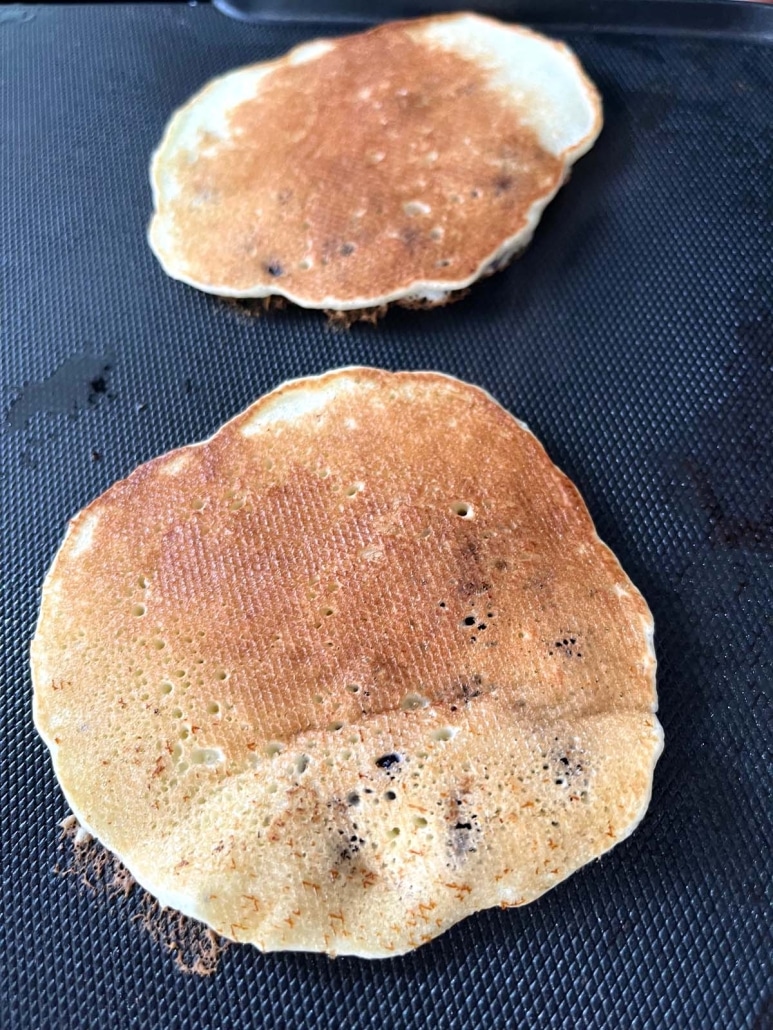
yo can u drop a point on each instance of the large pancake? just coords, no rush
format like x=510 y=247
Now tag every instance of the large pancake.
x=398 y=164
x=350 y=670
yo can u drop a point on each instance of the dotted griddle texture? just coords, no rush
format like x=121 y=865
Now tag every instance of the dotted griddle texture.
x=634 y=337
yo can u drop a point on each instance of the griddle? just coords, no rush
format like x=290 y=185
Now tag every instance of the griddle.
x=635 y=337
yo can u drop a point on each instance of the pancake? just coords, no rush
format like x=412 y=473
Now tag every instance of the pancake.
x=399 y=164
x=349 y=671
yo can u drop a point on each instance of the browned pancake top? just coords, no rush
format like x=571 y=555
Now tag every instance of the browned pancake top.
x=361 y=656
x=384 y=162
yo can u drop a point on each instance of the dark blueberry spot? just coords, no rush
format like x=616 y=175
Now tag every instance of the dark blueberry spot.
x=559 y=782
x=387 y=761
x=564 y=760
x=353 y=798
x=566 y=643
x=470 y=620
x=442 y=604
x=274 y=268
x=347 y=249
x=481 y=625
x=390 y=795
x=463 y=826
x=98 y=385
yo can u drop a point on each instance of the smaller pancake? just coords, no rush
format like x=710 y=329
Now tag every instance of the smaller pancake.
x=399 y=164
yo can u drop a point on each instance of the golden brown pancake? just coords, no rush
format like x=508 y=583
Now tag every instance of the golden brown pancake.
x=350 y=670
x=397 y=164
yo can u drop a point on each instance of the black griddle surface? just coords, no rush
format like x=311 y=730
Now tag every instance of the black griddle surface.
x=635 y=337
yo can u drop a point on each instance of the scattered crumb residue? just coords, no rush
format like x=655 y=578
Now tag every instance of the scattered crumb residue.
x=196 y=948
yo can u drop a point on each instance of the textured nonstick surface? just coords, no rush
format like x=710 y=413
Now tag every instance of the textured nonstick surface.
x=635 y=337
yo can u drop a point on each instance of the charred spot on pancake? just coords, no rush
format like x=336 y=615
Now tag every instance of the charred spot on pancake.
x=274 y=269
x=387 y=762
x=567 y=646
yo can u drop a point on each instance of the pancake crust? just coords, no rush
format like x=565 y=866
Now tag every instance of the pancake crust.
x=350 y=670
x=403 y=162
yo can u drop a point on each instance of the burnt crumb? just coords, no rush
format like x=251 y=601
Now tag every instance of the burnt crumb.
x=274 y=269
x=346 y=319
x=255 y=306
x=252 y=307
x=388 y=761
x=196 y=948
